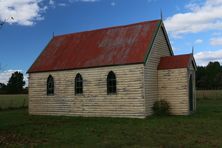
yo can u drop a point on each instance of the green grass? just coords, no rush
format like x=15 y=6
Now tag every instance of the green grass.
x=13 y=101
x=202 y=129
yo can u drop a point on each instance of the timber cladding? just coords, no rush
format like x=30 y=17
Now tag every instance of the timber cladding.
x=191 y=71
x=128 y=102
x=173 y=87
x=159 y=49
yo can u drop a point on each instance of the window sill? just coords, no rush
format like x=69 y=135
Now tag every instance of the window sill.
x=79 y=95
x=112 y=94
x=50 y=95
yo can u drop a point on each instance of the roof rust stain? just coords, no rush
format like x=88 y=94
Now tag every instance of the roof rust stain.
x=103 y=47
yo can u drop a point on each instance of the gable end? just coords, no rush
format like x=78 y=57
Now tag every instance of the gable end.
x=160 y=27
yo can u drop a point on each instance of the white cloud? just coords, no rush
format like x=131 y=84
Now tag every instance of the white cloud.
x=83 y=1
x=217 y=34
x=51 y=2
x=113 y=4
x=203 y=58
x=175 y=48
x=200 y=17
x=26 y=80
x=198 y=41
x=62 y=4
x=28 y=12
x=216 y=41
x=5 y=75
x=24 y=12
x=193 y=6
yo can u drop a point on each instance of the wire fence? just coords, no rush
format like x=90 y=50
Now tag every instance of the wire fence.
x=13 y=101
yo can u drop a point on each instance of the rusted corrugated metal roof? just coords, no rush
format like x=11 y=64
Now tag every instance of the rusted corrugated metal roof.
x=173 y=62
x=110 y=46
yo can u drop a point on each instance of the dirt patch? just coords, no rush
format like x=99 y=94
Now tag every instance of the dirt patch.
x=15 y=139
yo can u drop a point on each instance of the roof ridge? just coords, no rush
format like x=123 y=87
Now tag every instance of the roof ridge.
x=107 y=28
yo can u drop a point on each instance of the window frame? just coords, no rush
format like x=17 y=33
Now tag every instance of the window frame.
x=111 y=83
x=50 y=88
x=78 y=84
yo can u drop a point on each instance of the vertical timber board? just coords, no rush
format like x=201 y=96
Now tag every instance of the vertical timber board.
x=173 y=88
x=128 y=102
x=191 y=71
x=160 y=48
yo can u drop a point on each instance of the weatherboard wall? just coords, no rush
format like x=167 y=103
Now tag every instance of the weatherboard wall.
x=192 y=71
x=173 y=87
x=128 y=102
x=159 y=49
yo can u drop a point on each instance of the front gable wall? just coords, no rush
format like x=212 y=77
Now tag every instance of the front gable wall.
x=159 y=49
x=128 y=102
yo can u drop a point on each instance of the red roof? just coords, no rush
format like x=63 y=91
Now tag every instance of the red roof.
x=173 y=62
x=111 y=46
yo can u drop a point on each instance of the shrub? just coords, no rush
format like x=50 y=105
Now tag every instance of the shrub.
x=161 y=108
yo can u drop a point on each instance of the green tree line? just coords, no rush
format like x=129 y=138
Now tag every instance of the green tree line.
x=209 y=77
x=15 y=84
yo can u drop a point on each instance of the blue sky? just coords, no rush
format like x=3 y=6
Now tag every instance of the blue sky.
x=189 y=23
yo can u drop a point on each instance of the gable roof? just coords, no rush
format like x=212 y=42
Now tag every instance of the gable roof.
x=174 y=62
x=120 y=45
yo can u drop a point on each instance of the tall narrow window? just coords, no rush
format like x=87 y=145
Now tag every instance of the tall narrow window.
x=111 y=83
x=78 y=84
x=50 y=85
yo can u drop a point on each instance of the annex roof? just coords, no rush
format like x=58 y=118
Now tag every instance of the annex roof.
x=120 y=45
x=176 y=61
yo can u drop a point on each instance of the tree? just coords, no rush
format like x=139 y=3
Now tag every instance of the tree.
x=210 y=76
x=3 y=88
x=16 y=83
x=201 y=77
x=218 y=79
x=212 y=70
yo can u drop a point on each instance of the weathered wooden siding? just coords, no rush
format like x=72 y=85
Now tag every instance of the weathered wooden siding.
x=173 y=87
x=128 y=102
x=159 y=49
x=191 y=71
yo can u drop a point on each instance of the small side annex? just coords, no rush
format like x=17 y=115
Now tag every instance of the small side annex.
x=176 y=83
x=113 y=72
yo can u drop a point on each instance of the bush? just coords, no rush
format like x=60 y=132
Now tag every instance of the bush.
x=161 y=108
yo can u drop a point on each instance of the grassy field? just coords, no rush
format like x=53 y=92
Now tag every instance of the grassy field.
x=202 y=129
x=13 y=101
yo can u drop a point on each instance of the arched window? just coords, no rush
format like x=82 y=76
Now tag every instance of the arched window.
x=111 y=83
x=78 y=84
x=50 y=85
